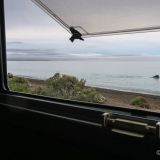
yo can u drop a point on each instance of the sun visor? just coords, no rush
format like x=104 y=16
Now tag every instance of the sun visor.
x=99 y=17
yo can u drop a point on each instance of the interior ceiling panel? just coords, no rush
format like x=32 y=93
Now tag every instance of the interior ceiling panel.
x=98 y=17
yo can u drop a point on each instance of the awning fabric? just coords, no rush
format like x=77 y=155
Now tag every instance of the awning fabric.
x=98 y=17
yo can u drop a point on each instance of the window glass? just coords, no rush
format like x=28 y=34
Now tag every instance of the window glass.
x=120 y=70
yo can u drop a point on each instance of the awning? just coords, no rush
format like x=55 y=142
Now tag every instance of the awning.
x=98 y=17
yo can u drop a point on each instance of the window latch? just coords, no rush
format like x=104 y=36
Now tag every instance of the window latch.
x=131 y=126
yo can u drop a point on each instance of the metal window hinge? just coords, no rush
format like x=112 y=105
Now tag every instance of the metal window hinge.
x=131 y=126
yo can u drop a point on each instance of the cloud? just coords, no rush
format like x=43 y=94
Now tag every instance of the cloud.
x=87 y=55
x=15 y=42
x=36 y=34
x=25 y=21
x=29 y=28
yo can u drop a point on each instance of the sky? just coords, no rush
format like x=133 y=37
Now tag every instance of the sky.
x=32 y=34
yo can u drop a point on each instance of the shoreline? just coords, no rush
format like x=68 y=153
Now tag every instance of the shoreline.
x=116 y=98
x=147 y=92
x=123 y=98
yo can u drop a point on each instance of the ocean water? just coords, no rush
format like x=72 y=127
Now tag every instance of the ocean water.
x=132 y=76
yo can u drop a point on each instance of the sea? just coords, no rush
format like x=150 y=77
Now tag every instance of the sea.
x=132 y=76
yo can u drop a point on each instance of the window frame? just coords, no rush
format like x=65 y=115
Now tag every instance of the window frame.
x=3 y=55
x=91 y=107
x=52 y=114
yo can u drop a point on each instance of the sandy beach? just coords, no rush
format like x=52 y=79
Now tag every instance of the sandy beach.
x=123 y=98
x=116 y=97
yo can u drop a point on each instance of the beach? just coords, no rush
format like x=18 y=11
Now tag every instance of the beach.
x=115 y=97
x=123 y=98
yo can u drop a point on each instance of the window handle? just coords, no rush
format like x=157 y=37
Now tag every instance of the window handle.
x=124 y=132
x=131 y=126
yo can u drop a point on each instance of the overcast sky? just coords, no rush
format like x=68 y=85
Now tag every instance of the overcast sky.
x=28 y=27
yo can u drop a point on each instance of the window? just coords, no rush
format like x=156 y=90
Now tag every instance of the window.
x=110 y=16
x=119 y=70
x=113 y=70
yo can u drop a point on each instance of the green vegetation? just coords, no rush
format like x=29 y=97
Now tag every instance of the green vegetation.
x=61 y=86
x=18 y=84
x=140 y=102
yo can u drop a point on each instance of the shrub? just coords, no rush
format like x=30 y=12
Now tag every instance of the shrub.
x=140 y=102
x=70 y=87
x=39 y=91
x=18 y=84
x=90 y=95
x=61 y=86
